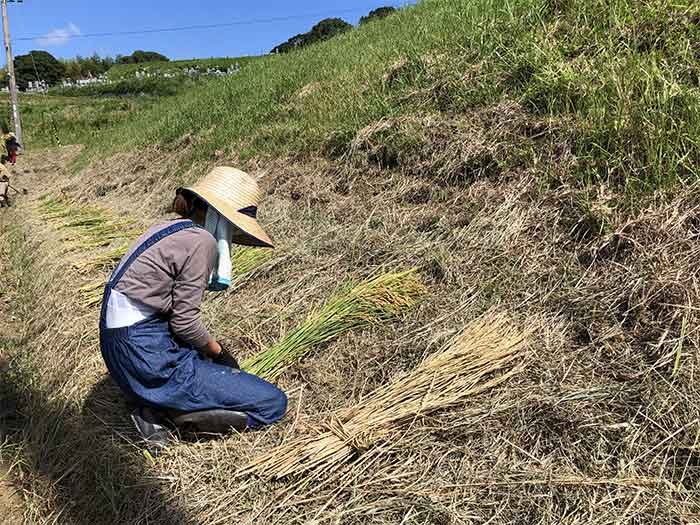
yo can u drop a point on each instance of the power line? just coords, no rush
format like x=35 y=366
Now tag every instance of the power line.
x=199 y=27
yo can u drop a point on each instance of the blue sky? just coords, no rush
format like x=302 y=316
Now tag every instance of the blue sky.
x=61 y=24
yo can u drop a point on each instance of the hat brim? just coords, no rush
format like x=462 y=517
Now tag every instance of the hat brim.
x=250 y=232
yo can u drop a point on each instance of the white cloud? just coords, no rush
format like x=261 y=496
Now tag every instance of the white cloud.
x=59 y=37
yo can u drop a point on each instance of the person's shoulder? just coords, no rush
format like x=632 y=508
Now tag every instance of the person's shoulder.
x=198 y=236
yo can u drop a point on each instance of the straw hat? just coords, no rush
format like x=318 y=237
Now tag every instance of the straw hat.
x=235 y=195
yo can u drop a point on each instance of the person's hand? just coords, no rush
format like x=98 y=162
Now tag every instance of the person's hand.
x=226 y=359
x=212 y=349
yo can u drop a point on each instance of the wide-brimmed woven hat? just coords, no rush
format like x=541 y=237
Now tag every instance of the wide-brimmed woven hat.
x=235 y=195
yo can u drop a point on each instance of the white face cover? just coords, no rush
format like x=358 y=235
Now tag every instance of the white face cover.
x=221 y=229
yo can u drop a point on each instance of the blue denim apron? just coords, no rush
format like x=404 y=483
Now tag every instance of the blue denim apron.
x=154 y=369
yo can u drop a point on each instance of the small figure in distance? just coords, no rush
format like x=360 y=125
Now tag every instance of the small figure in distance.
x=4 y=183
x=11 y=144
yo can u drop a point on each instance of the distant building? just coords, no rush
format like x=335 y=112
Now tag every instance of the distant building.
x=37 y=86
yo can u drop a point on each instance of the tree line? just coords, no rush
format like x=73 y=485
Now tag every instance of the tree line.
x=42 y=65
x=328 y=28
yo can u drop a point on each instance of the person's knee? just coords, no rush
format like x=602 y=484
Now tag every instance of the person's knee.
x=278 y=406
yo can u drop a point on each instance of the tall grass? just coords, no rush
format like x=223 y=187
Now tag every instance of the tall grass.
x=621 y=75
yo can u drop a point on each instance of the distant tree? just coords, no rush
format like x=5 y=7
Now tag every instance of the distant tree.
x=324 y=30
x=139 y=57
x=381 y=12
x=83 y=67
x=38 y=65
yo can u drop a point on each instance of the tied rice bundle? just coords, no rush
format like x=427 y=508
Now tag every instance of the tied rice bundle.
x=102 y=261
x=467 y=367
x=375 y=300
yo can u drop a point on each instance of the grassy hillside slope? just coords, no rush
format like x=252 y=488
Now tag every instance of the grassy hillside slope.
x=537 y=158
x=619 y=79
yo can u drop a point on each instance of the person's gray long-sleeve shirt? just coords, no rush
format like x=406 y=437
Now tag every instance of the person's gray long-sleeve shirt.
x=171 y=277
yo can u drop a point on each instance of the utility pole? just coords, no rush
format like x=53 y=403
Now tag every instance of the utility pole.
x=11 y=74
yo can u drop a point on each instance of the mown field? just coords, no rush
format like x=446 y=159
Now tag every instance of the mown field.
x=530 y=163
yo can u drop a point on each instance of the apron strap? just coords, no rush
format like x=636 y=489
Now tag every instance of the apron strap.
x=153 y=239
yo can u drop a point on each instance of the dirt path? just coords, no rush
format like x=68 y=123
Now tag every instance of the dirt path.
x=11 y=503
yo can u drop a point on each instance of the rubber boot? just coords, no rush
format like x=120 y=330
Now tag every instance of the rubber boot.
x=150 y=425
x=217 y=421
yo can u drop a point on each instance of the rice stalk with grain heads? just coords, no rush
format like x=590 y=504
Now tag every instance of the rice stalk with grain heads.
x=487 y=353
x=373 y=301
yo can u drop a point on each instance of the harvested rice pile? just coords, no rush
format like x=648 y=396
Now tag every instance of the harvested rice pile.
x=86 y=227
x=467 y=367
x=375 y=300
x=102 y=261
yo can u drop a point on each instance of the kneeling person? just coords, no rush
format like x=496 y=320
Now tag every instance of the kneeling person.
x=152 y=338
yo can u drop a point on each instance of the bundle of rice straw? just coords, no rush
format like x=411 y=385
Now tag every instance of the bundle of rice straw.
x=88 y=226
x=476 y=361
x=245 y=260
x=91 y=294
x=375 y=300
x=102 y=261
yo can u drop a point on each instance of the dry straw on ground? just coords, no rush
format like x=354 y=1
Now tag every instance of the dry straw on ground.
x=375 y=300
x=467 y=367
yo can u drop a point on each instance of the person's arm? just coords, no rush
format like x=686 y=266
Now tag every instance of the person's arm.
x=188 y=291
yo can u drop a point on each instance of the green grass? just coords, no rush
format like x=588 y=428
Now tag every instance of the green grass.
x=72 y=120
x=620 y=79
